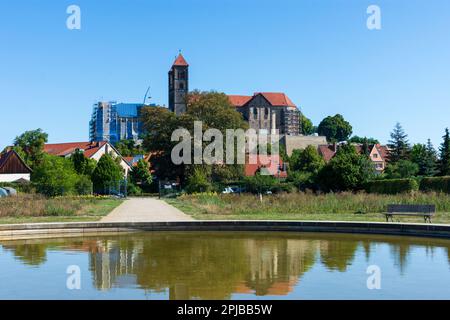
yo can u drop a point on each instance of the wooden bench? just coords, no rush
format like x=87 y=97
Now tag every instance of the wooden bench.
x=425 y=211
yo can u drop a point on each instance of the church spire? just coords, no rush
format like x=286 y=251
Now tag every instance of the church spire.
x=180 y=61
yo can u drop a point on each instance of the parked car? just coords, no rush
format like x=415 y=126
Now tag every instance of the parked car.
x=3 y=193
x=228 y=190
x=11 y=191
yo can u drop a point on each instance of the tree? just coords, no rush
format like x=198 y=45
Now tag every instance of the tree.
x=260 y=183
x=335 y=128
x=401 y=169
x=444 y=152
x=211 y=108
x=81 y=164
x=30 y=145
x=128 y=148
x=198 y=182
x=348 y=170
x=107 y=174
x=362 y=140
x=140 y=174
x=399 y=148
x=425 y=158
x=54 y=176
x=307 y=160
x=306 y=126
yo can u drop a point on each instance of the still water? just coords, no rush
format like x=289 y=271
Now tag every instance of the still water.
x=225 y=265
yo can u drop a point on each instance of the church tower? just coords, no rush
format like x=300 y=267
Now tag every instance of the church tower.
x=178 y=85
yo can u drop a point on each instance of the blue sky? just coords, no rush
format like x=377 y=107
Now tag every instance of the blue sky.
x=319 y=52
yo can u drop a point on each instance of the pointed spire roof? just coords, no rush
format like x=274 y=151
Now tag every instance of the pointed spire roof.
x=180 y=61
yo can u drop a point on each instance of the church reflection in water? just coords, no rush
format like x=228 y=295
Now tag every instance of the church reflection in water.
x=216 y=265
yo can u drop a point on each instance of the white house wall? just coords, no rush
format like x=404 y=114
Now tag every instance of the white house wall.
x=11 y=177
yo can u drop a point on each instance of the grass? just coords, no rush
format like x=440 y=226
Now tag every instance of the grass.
x=30 y=208
x=307 y=206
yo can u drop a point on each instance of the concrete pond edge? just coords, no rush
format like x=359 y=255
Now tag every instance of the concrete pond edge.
x=79 y=229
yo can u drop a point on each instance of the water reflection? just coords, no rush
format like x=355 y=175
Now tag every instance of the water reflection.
x=211 y=265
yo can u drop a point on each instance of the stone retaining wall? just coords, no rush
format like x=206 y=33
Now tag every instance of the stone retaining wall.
x=54 y=230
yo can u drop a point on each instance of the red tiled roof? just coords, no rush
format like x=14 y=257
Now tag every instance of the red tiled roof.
x=327 y=152
x=383 y=150
x=180 y=61
x=277 y=99
x=271 y=163
x=239 y=101
x=64 y=149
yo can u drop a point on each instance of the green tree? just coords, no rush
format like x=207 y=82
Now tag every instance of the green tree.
x=198 y=182
x=307 y=160
x=128 y=148
x=260 y=183
x=399 y=148
x=401 y=169
x=335 y=128
x=306 y=126
x=211 y=108
x=362 y=140
x=107 y=174
x=348 y=170
x=425 y=158
x=30 y=146
x=54 y=176
x=140 y=174
x=444 y=155
x=81 y=164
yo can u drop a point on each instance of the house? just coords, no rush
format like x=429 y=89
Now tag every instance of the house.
x=91 y=150
x=266 y=164
x=377 y=153
x=13 y=168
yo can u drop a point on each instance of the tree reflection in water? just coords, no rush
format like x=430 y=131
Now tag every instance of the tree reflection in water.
x=215 y=265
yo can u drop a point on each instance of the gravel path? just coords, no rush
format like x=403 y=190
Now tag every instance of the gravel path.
x=145 y=210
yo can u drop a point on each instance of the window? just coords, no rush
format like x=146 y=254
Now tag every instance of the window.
x=181 y=75
x=266 y=113
x=181 y=86
x=255 y=113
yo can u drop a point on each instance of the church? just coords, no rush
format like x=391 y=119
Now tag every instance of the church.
x=266 y=112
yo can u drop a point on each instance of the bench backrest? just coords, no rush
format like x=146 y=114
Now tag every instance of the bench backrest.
x=423 y=208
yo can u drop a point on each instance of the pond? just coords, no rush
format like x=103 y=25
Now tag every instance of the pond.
x=226 y=265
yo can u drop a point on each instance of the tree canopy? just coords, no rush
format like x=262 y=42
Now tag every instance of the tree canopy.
x=335 y=128
x=399 y=148
x=444 y=152
x=30 y=146
x=306 y=126
x=107 y=174
x=348 y=170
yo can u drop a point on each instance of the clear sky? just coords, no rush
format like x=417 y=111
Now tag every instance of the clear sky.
x=319 y=52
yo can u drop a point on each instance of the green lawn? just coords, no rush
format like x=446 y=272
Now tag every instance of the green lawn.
x=34 y=209
x=301 y=206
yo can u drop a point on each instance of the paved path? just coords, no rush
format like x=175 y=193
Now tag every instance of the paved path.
x=145 y=210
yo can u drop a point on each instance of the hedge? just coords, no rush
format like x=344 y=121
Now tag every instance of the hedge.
x=20 y=187
x=437 y=184
x=392 y=186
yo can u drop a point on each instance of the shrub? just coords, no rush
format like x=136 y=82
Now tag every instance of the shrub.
x=133 y=189
x=259 y=183
x=197 y=182
x=438 y=184
x=54 y=176
x=20 y=187
x=392 y=186
x=83 y=186
x=107 y=175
